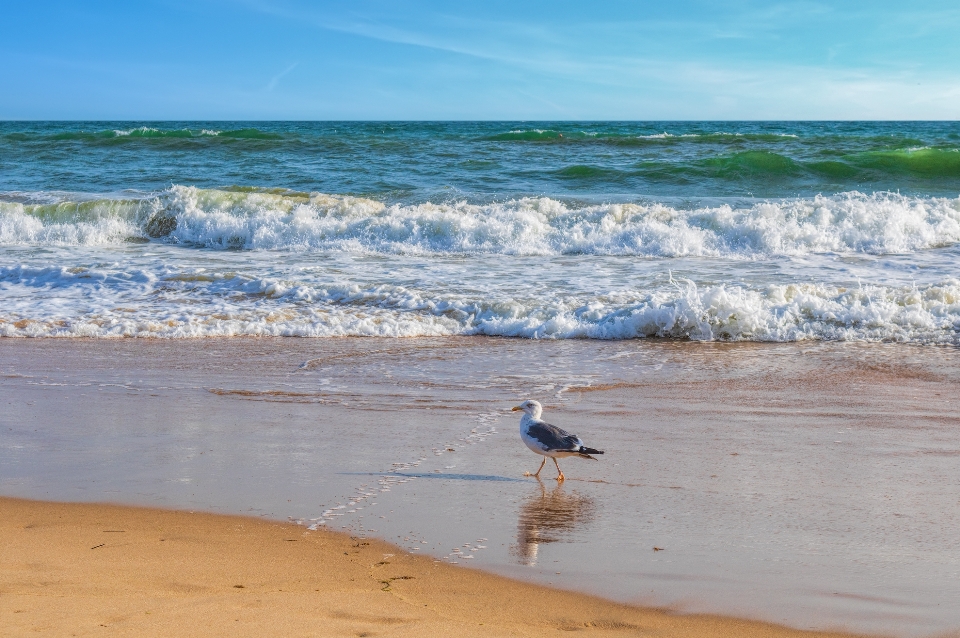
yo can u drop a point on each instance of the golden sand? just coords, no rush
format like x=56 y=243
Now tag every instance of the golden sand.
x=107 y=570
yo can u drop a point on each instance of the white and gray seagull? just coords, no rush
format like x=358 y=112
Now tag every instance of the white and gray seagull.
x=549 y=440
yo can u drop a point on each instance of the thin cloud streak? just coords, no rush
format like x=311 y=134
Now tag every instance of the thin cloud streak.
x=380 y=59
x=273 y=81
x=631 y=72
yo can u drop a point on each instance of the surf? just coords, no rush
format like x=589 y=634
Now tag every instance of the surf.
x=287 y=220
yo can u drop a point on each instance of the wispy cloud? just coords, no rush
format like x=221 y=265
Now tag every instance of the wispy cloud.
x=670 y=64
x=272 y=84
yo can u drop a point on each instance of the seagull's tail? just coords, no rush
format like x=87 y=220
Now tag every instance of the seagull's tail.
x=585 y=452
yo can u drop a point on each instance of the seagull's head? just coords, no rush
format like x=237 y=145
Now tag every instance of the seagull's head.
x=531 y=407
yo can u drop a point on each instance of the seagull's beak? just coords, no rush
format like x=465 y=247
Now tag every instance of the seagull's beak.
x=516 y=408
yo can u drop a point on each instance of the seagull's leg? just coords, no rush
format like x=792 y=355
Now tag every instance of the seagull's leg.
x=541 y=467
x=559 y=473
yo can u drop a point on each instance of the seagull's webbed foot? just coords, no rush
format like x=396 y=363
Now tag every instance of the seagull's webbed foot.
x=560 y=477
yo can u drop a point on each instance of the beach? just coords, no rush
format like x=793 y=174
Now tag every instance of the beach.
x=807 y=484
x=286 y=288
x=87 y=570
x=324 y=326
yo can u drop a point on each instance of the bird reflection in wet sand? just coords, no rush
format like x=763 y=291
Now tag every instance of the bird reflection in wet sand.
x=549 y=517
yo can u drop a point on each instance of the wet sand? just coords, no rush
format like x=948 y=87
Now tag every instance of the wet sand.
x=808 y=484
x=81 y=569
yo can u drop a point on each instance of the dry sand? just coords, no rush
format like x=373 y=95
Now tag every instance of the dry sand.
x=106 y=570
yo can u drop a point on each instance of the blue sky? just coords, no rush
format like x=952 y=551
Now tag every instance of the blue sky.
x=291 y=59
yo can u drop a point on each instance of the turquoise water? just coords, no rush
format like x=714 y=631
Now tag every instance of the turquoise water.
x=708 y=230
x=413 y=162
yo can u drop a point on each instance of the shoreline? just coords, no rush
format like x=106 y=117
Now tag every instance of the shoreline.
x=808 y=485
x=148 y=571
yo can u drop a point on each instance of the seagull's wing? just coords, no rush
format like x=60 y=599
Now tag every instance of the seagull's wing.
x=553 y=438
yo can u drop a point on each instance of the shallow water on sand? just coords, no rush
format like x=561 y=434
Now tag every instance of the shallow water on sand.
x=811 y=484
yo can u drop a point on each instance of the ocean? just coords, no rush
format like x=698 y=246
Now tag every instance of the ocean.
x=729 y=231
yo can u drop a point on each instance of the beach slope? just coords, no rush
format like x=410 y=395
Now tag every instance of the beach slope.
x=70 y=569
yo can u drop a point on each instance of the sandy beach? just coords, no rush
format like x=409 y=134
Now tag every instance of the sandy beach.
x=87 y=569
x=808 y=485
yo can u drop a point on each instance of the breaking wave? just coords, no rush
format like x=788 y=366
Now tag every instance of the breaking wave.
x=110 y=301
x=130 y=135
x=277 y=219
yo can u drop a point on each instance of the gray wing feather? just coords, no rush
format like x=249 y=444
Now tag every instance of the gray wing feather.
x=553 y=438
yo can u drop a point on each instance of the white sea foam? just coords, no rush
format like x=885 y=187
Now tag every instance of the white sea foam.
x=19 y=229
x=127 y=132
x=665 y=135
x=323 y=265
x=879 y=223
x=112 y=301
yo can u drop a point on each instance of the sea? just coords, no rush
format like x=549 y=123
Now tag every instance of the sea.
x=704 y=231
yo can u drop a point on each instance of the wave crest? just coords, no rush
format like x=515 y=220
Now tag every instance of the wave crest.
x=276 y=219
x=130 y=135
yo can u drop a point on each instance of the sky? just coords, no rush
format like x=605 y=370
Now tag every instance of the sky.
x=490 y=60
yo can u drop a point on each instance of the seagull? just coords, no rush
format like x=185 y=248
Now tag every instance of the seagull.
x=549 y=440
